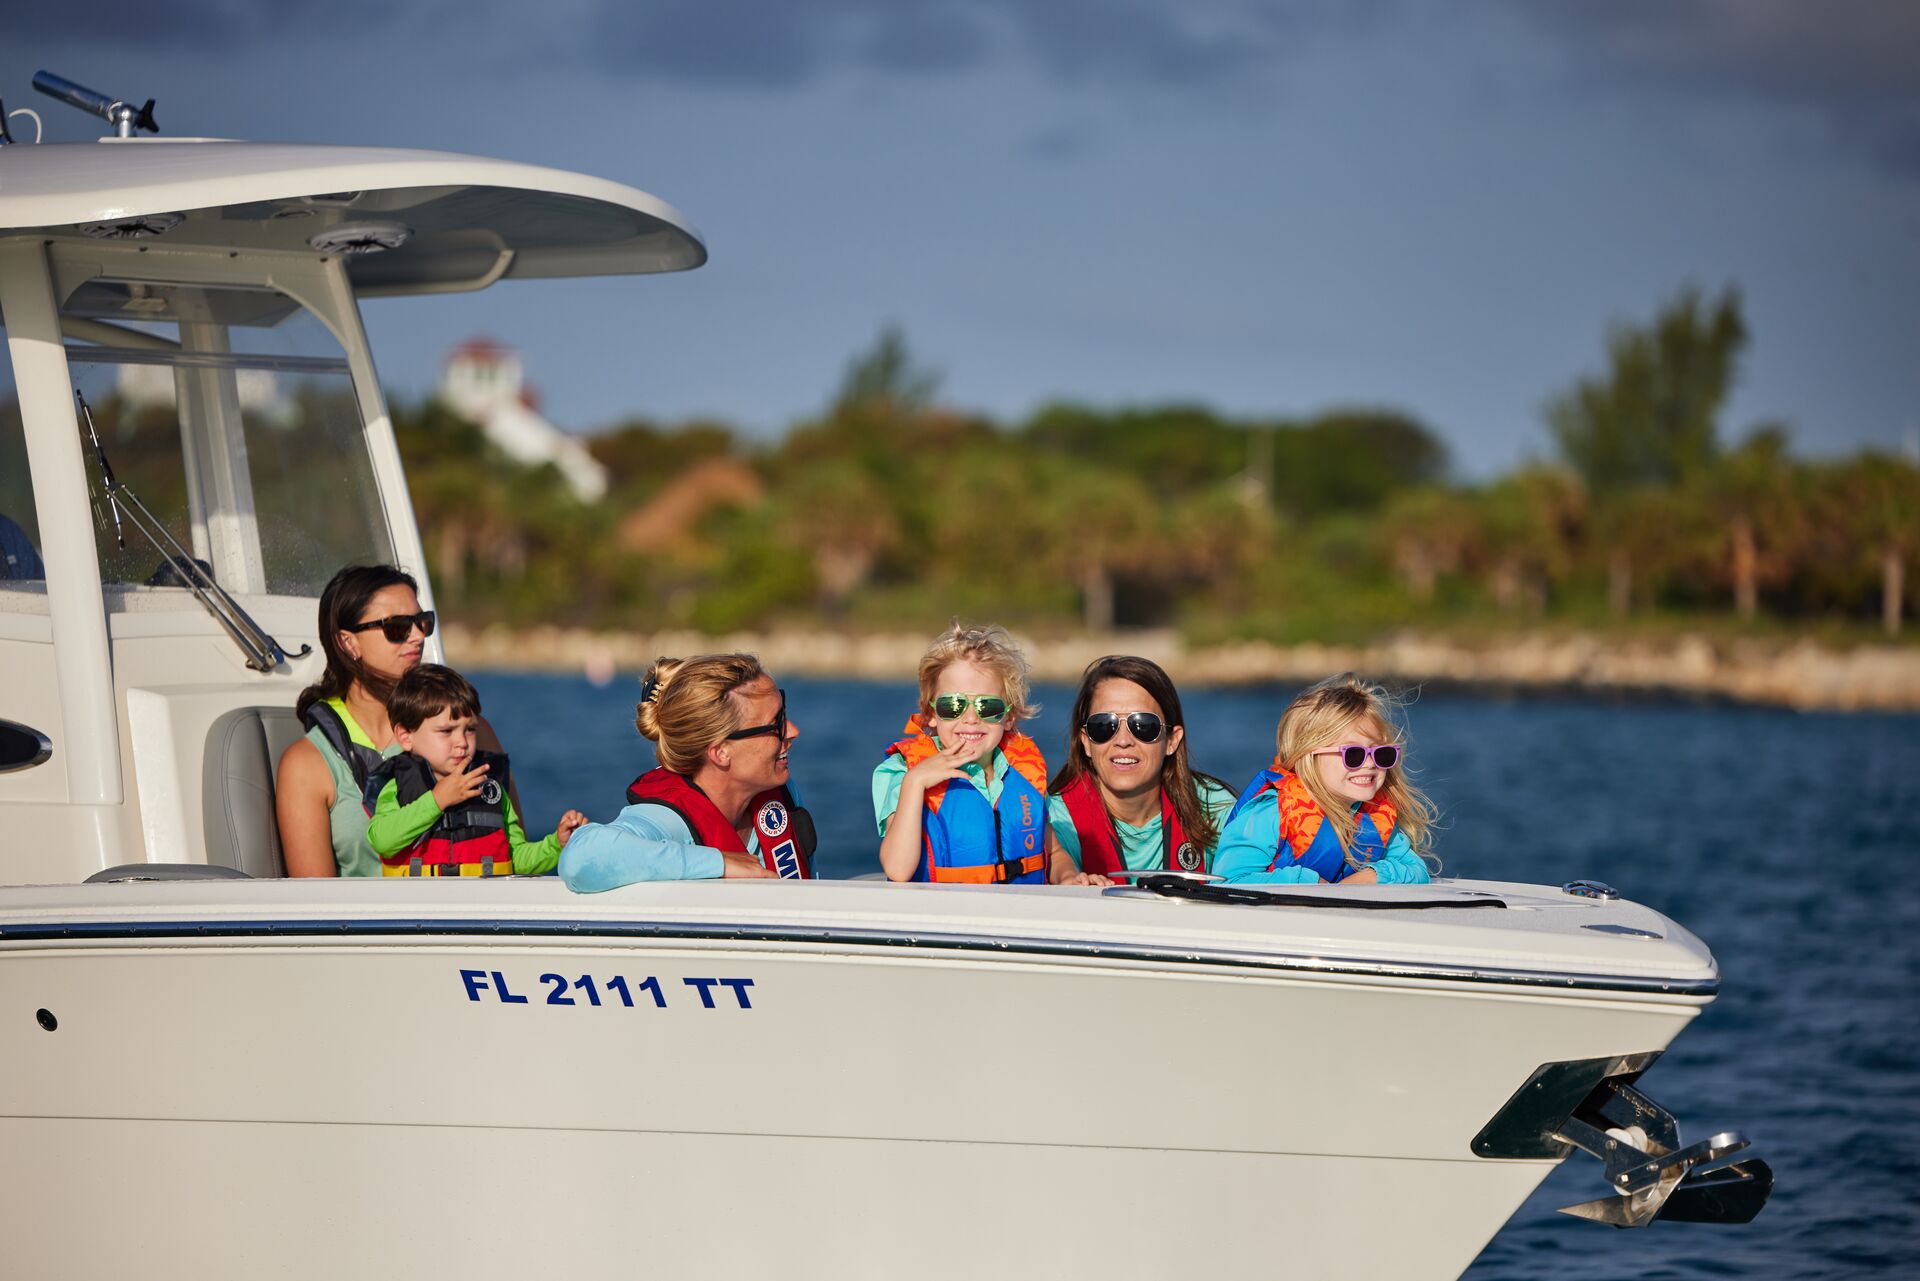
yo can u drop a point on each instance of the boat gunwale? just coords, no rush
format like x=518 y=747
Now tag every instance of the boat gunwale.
x=426 y=929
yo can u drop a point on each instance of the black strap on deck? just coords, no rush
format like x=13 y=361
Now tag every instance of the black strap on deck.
x=1240 y=896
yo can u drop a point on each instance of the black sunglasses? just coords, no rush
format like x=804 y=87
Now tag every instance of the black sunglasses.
x=1102 y=726
x=398 y=627
x=777 y=726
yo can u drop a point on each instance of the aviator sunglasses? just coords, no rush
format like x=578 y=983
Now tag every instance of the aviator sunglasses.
x=1102 y=726
x=951 y=707
x=1353 y=755
x=397 y=627
x=776 y=727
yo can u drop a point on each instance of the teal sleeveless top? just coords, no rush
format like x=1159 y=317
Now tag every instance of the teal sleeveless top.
x=347 y=820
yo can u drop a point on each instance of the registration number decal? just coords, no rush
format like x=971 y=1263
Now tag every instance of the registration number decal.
x=647 y=993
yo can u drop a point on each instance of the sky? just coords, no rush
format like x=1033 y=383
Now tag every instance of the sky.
x=1272 y=207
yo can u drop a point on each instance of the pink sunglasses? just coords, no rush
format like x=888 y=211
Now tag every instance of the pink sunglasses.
x=1353 y=755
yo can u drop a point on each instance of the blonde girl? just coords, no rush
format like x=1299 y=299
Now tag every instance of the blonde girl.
x=1336 y=806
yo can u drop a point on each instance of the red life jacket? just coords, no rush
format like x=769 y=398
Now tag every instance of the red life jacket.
x=783 y=829
x=468 y=840
x=1100 y=844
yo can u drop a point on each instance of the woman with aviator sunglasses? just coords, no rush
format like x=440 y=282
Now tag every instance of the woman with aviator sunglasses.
x=1336 y=806
x=372 y=632
x=1127 y=799
x=961 y=798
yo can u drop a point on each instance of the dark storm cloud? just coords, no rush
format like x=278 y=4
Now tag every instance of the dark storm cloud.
x=1857 y=61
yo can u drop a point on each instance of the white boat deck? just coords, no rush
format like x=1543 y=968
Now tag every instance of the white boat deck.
x=1541 y=937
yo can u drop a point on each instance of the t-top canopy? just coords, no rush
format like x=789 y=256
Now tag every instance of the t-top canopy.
x=461 y=221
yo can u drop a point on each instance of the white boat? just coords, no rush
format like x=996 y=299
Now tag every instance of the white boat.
x=207 y=1070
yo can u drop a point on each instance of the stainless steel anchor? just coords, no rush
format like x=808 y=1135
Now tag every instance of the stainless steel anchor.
x=1651 y=1173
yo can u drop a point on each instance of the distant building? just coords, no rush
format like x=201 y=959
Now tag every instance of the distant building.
x=485 y=383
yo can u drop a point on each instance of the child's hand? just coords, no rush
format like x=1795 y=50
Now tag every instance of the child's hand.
x=568 y=822
x=941 y=766
x=455 y=788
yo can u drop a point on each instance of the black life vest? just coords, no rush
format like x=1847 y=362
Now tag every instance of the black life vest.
x=468 y=840
x=361 y=760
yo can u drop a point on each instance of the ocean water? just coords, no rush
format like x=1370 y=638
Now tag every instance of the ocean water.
x=1789 y=842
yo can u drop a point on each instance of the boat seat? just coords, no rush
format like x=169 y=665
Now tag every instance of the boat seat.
x=243 y=750
x=166 y=872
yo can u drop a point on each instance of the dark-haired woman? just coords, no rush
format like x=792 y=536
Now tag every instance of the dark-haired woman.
x=372 y=631
x=1127 y=799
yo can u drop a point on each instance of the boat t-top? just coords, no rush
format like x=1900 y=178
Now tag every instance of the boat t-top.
x=210 y=1070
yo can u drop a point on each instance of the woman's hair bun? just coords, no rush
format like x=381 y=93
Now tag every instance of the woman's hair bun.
x=645 y=716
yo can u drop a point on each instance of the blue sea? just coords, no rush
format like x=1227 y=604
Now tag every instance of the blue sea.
x=1790 y=842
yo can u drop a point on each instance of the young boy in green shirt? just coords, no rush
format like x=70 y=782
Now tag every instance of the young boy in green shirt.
x=441 y=807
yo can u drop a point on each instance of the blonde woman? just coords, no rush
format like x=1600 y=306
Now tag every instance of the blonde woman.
x=720 y=802
x=962 y=798
x=1336 y=806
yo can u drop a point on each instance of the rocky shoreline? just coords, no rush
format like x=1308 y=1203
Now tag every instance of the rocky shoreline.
x=1800 y=674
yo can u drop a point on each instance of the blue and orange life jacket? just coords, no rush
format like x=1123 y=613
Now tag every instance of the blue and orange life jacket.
x=468 y=840
x=783 y=829
x=967 y=839
x=1306 y=838
x=1100 y=844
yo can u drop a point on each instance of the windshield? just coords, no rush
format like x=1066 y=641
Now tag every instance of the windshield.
x=231 y=413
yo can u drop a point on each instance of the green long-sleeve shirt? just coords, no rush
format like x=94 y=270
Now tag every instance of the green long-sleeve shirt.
x=395 y=828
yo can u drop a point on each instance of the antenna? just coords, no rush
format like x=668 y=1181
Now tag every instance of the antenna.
x=115 y=111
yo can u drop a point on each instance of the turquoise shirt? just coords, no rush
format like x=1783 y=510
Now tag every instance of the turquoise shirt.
x=890 y=773
x=1250 y=839
x=643 y=843
x=347 y=820
x=1142 y=847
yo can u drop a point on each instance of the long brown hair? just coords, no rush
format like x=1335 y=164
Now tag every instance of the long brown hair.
x=341 y=603
x=1327 y=715
x=1176 y=775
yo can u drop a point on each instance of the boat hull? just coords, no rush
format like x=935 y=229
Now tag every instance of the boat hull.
x=313 y=1099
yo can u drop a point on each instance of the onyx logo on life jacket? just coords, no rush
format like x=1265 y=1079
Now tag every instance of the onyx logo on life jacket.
x=490 y=791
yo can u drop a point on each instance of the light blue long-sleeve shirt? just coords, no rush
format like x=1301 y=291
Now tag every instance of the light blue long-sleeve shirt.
x=1251 y=837
x=643 y=843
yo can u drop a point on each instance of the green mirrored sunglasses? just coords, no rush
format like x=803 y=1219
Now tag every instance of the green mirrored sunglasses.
x=991 y=708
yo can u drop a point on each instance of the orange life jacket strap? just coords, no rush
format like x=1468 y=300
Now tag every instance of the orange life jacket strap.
x=988 y=873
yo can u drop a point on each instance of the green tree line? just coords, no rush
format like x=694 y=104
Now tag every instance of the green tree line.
x=890 y=510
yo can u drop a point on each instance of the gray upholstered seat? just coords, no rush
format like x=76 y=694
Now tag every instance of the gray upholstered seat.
x=243 y=749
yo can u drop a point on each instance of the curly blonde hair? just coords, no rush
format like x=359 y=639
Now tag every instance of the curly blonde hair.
x=1332 y=713
x=684 y=706
x=989 y=646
